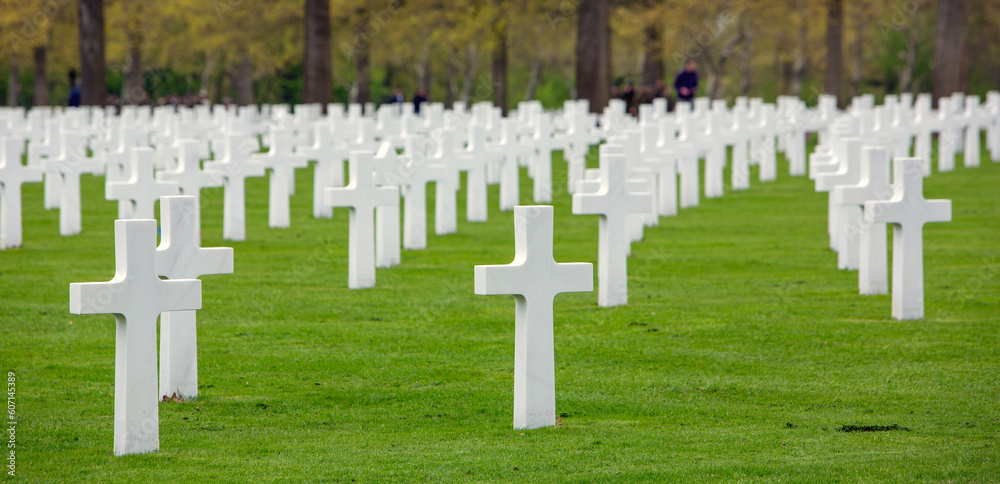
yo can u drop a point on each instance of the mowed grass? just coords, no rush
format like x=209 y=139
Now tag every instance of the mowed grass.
x=741 y=355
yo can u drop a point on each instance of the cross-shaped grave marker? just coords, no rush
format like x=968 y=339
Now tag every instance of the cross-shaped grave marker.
x=329 y=168
x=282 y=163
x=614 y=203
x=138 y=195
x=70 y=164
x=13 y=174
x=361 y=196
x=510 y=190
x=662 y=160
x=235 y=168
x=534 y=278
x=475 y=160
x=873 y=186
x=388 y=167
x=180 y=256
x=419 y=169
x=540 y=167
x=849 y=174
x=577 y=146
x=51 y=148
x=188 y=175
x=446 y=187
x=136 y=296
x=908 y=211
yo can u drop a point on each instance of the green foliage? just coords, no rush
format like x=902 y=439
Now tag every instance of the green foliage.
x=553 y=92
x=207 y=40
x=741 y=354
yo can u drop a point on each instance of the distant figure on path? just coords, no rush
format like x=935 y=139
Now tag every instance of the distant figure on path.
x=686 y=83
x=74 y=90
x=419 y=98
x=397 y=96
x=629 y=97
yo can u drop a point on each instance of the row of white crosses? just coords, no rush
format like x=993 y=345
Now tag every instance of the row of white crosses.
x=164 y=130
x=857 y=176
x=137 y=296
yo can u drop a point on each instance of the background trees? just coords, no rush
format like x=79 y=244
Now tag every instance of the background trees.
x=503 y=51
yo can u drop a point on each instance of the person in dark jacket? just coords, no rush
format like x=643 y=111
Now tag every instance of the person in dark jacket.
x=628 y=95
x=419 y=98
x=74 y=90
x=686 y=82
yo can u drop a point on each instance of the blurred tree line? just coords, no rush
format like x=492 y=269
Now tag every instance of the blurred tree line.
x=274 y=51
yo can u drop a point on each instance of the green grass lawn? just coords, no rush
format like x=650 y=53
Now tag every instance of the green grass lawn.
x=741 y=356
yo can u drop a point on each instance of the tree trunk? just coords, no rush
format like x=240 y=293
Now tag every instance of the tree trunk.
x=425 y=77
x=536 y=70
x=13 y=83
x=906 y=83
x=362 y=64
x=132 y=88
x=362 y=91
x=471 y=57
x=500 y=65
x=593 y=54
x=951 y=70
x=801 y=61
x=317 y=73
x=41 y=78
x=745 y=54
x=715 y=79
x=244 y=82
x=834 y=48
x=857 y=54
x=92 y=76
x=451 y=90
x=206 y=75
x=652 y=53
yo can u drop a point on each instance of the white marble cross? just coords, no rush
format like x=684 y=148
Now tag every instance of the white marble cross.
x=475 y=160
x=714 y=142
x=329 y=168
x=848 y=174
x=12 y=175
x=446 y=187
x=361 y=195
x=661 y=159
x=51 y=148
x=540 y=167
x=613 y=202
x=136 y=296
x=388 y=168
x=873 y=186
x=282 y=163
x=908 y=211
x=577 y=146
x=137 y=196
x=70 y=164
x=420 y=169
x=235 y=168
x=510 y=190
x=188 y=175
x=635 y=222
x=118 y=160
x=688 y=169
x=180 y=256
x=534 y=278
x=973 y=127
